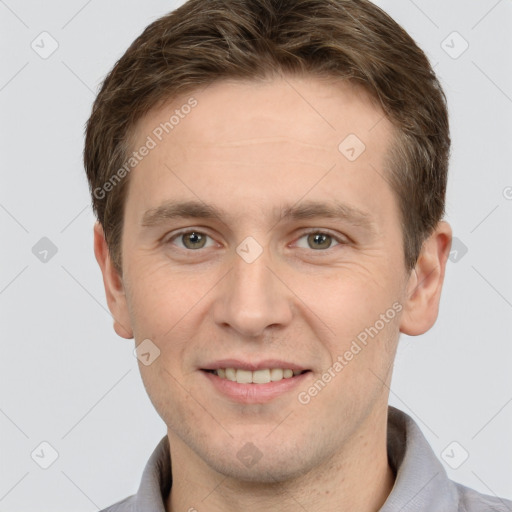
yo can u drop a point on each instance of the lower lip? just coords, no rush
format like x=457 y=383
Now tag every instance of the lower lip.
x=254 y=393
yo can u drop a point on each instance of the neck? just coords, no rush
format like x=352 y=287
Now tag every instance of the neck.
x=357 y=477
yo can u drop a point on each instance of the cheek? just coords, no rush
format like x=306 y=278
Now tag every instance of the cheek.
x=170 y=396
x=348 y=297
x=162 y=300
x=358 y=374
x=357 y=319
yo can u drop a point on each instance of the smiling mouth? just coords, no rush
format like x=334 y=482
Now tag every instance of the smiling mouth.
x=255 y=377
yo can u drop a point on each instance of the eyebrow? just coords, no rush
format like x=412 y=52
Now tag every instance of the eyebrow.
x=304 y=210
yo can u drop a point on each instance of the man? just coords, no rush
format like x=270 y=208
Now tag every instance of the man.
x=269 y=180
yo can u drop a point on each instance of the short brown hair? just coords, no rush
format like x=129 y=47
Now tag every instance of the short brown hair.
x=205 y=41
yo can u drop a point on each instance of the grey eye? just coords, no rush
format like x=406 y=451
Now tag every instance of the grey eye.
x=193 y=240
x=317 y=240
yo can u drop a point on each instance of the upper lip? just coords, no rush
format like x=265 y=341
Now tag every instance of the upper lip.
x=252 y=365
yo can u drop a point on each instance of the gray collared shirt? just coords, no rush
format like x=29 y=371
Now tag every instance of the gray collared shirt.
x=421 y=484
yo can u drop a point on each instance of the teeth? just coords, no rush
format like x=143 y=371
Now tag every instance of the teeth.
x=260 y=376
x=243 y=376
x=257 y=377
x=276 y=374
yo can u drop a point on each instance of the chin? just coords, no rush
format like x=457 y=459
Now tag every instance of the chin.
x=263 y=472
x=262 y=461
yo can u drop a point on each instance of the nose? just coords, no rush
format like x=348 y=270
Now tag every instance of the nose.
x=252 y=298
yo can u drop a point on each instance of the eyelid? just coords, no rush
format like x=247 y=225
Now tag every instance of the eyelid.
x=170 y=237
x=341 y=239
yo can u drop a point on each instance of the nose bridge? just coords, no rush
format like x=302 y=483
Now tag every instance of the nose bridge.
x=252 y=297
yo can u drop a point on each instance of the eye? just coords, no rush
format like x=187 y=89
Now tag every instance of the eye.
x=318 y=240
x=194 y=240
x=191 y=240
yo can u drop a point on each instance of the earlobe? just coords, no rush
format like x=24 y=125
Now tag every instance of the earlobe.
x=113 y=284
x=423 y=293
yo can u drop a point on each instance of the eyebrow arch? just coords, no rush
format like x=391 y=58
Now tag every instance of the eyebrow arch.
x=181 y=210
x=302 y=211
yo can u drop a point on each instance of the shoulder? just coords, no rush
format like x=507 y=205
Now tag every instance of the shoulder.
x=472 y=501
x=126 y=505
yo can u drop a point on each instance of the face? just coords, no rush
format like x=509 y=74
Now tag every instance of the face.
x=258 y=237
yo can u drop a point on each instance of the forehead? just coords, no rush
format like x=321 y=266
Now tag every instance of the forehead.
x=314 y=113
x=274 y=136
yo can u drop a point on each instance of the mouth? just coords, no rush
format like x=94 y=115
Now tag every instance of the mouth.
x=263 y=376
x=255 y=384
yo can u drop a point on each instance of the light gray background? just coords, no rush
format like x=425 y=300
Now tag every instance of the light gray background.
x=67 y=379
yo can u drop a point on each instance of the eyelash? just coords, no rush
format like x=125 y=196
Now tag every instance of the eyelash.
x=338 y=239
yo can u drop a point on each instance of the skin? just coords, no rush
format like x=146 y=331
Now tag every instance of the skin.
x=249 y=148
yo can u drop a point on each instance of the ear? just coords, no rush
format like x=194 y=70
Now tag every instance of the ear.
x=114 y=288
x=425 y=282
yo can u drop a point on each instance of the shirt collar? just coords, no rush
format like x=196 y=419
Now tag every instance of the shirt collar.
x=421 y=482
x=156 y=480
